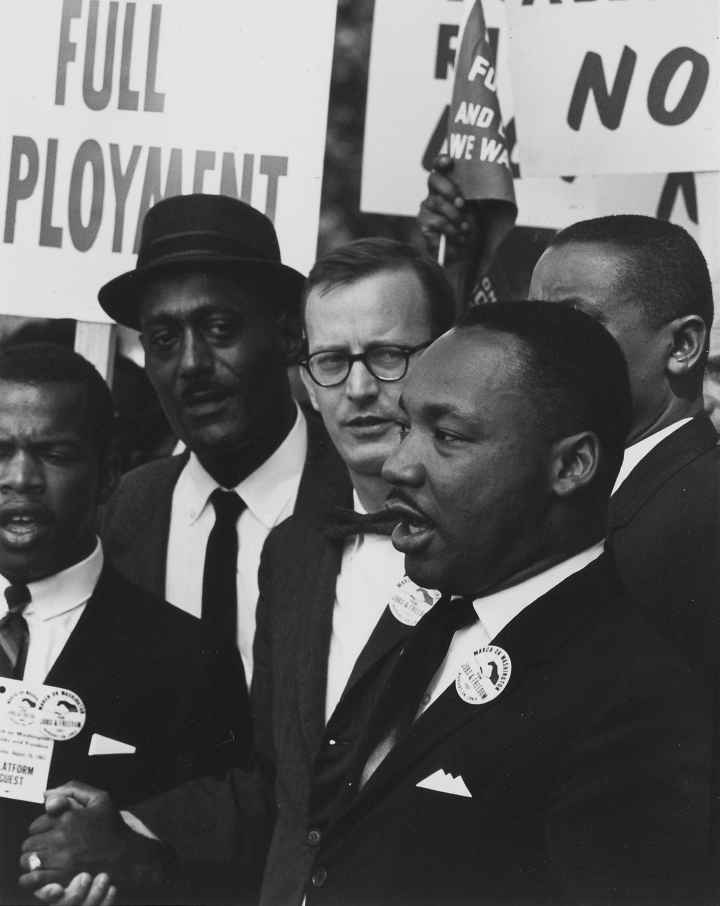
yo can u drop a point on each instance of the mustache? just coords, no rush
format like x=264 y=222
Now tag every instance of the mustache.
x=399 y=504
x=38 y=512
x=196 y=388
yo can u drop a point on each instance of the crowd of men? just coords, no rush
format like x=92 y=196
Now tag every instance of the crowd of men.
x=447 y=634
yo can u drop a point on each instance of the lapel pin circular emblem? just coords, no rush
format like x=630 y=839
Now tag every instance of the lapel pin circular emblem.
x=409 y=602
x=484 y=676
x=62 y=714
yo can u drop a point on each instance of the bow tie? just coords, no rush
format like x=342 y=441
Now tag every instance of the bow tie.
x=341 y=523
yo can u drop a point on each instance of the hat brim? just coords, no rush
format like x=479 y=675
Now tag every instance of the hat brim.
x=281 y=285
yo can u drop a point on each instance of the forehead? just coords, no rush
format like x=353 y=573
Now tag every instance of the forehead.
x=37 y=410
x=389 y=305
x=578 y=272
x=180 y=295
x=470 y=372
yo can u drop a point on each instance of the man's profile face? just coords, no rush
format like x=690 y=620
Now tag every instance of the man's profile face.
x=471 y=473
x=387 y=308
x=585 y=275
x=49 y=479
x=212 y=353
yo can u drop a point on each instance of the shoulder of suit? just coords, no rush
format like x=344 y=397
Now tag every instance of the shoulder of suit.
x=142 y=488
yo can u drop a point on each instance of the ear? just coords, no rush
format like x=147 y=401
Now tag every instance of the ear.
x=689 y=339
x=310 y=387
x=110 y=471
x=575 y=463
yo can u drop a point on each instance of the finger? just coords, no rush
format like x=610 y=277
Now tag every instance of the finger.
x=432 y=225
x=443 y=163
x=98 y=890
x=438 y=184
x=42 y=825
x=110 y=897
x=34 y=880
x=82 y=793
x=454 y=218
x=56 y=804
x=76 y=890
x=50 y=893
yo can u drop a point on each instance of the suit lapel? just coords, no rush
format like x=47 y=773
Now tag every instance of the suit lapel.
x=387 y=634
x=532 y=638
x=669 y=457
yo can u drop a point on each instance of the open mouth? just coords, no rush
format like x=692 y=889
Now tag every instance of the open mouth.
x=368 y=424
x=22 y=528
x=414 y=530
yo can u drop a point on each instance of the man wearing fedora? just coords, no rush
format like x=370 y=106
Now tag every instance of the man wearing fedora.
x=215 y=307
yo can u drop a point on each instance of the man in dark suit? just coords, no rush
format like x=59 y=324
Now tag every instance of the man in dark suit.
x=154 y=698
x=536 y=741
x=218 y=314
x=647 y=282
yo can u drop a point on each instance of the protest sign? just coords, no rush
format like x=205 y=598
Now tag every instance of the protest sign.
x=110 y=106
x=608 y=87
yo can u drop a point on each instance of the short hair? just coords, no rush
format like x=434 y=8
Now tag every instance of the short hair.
x=572 y=368
x=47 y=363
x=662 y=265
x=366 y=257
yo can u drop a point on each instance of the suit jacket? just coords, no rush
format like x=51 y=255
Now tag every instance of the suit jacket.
x=664 y=532
x=588 y=776
x=135 y=523
x=150 y=676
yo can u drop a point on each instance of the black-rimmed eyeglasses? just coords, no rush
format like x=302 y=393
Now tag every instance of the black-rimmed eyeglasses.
x=386 y=363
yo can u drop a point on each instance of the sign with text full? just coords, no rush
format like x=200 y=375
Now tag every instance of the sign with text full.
x=109 y=106
x=602 y=86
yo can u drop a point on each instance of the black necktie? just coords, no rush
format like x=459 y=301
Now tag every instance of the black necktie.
x=14 y=634
x=421 y=657
x=341 y=523
x=219 y=596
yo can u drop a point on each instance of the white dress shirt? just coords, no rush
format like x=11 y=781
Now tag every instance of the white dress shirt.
x=269 y=492
x=635 y=453
x=369 y=572
x=56 y=605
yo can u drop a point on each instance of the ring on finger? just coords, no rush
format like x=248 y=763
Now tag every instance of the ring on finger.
x=34 y=862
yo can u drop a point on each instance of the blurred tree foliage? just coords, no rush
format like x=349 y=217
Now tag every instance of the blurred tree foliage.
x=341 y=218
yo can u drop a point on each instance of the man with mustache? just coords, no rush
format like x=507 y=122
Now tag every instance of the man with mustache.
x=648 y=283
x=139 y=674
x=218 y=314
x=534 y=739
x=334 y=598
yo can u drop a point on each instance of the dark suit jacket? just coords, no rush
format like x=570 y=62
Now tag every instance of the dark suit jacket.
x=150 y=676
x=589 y=776
x=664 y=532
x=135 y=522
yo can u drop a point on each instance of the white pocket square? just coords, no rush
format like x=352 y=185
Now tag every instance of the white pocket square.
x=105 y=745
x=442 y=782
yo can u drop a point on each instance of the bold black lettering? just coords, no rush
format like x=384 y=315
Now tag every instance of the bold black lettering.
x=154 y=100
x=72 y=9
x=20 y=187
x=50 y=235
x=204 y=161
x=151 y=190
x=445 y=53
x=272 y=166
x=128 y=98
x=99 y=99
x=83 y=235
x=678 y=183
x=121 y=183
x=591 y=78
x=694 y=90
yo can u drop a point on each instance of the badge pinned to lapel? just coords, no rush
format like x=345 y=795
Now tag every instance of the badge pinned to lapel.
x=484 y=676
x=409 y=602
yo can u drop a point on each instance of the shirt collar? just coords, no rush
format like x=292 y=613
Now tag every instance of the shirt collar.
x=496 y=610
x=266 y=491
x=635 y=453
x=62 y=592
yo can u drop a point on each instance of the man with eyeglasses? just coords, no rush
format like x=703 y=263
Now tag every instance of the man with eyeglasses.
x=334 y=598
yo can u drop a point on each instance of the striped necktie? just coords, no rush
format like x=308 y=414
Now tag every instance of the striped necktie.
x=14 y=633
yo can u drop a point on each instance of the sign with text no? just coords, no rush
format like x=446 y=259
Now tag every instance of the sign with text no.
x=109 y=106
x=616 y=86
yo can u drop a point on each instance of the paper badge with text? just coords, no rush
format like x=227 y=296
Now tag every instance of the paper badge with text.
x=409 y=602
x=484 y=676
x=32 y=718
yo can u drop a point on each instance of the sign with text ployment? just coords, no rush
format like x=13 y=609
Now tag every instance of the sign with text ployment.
x=108 y=107
x=602 y=86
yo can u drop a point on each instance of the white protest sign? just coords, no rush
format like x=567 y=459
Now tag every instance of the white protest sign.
x=109 y=106
x=602 y=86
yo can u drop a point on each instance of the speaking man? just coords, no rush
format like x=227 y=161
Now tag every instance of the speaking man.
x=533 y=740
x=370 y=309
x=647 y=282
x=145 y=697
x=217 y=311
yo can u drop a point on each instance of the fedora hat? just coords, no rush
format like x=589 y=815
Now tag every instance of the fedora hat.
x=198 y=232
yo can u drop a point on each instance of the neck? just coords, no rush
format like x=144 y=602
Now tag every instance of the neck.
x=677 y=409
x=231 y=466
x=371 y=489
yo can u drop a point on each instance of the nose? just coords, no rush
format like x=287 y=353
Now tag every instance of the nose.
x=21 y=473
x=404 y=467
x=195 y=356
x=360 y=384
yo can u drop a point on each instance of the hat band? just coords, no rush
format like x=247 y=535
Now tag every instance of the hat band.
x=203 y=243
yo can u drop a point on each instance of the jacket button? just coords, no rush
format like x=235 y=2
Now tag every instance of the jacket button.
x=319 y=877
x=313 y=837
